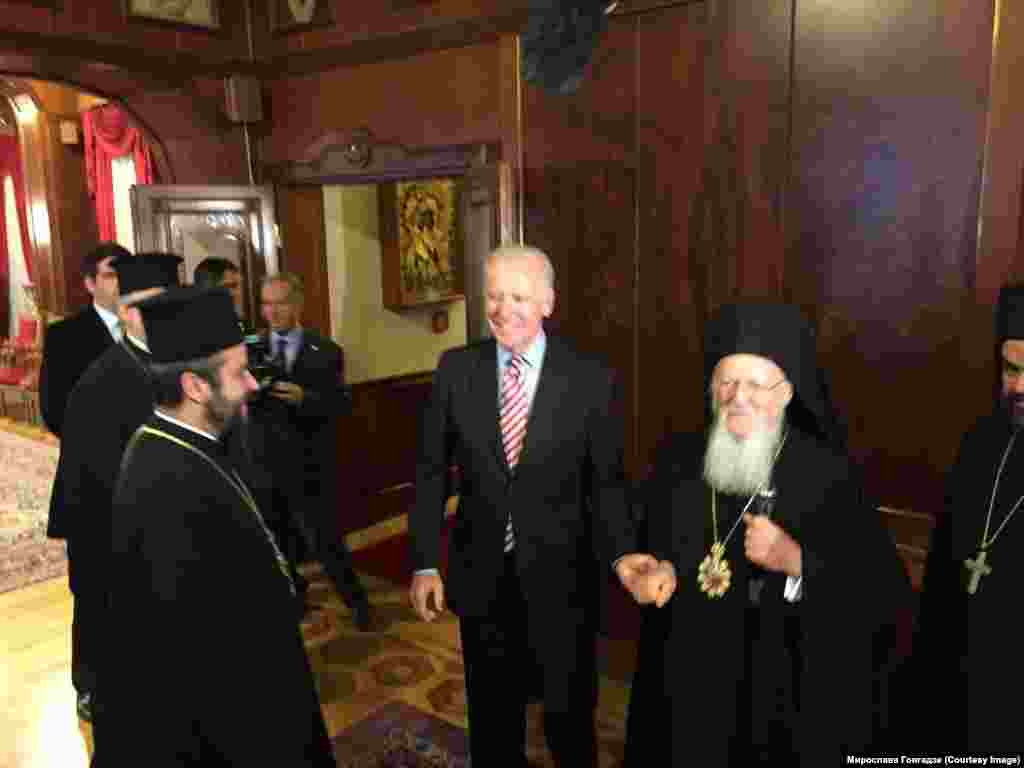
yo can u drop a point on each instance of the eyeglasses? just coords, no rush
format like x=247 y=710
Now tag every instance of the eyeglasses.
x=726 y=387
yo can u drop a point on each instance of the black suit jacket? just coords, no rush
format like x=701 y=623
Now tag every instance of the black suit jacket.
x=70 y=346
x=319 y=368
x=567 y=495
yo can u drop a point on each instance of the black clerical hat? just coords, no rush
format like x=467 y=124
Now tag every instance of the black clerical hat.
x=1010 y=313
x=190 y=323
x=781 y=333
x=146 y=270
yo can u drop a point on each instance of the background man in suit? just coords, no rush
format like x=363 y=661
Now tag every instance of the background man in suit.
x=309 y=395
x=70 y=346
x=91 y=444
x=73 y=343
x=530 y=424
x=215 y=271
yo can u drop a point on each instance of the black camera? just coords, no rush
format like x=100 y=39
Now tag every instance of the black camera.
x=265 y=368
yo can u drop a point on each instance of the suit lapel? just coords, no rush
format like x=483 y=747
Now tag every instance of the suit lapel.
x=100 y=331
x=484 y=388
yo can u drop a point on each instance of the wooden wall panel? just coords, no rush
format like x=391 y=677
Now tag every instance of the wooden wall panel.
x=300 y=214
x=377 y=450
x=73 y=215
x=888 y=133
x=588 y=233
x=358 y=23
x=438 y=99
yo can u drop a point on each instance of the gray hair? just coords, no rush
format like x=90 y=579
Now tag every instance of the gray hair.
x=516 y=252
x=296 y=293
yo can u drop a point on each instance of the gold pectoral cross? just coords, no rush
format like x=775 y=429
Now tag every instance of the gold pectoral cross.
x=978 y=568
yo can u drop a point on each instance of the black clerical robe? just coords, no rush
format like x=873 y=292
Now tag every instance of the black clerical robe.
x=109 y=402
x=967 y=648
x=725 y=682
x=206 y=662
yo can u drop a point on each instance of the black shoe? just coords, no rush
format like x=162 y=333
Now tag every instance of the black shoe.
x=85 y=705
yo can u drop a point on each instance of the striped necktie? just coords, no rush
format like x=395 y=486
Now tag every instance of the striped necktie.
x=514 y=410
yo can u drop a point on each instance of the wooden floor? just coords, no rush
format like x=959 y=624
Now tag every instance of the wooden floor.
x=38 y=724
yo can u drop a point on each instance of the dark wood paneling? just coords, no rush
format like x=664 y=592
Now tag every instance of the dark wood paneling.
x=888 y=133
x=72 y=215
x=1000 y=253
x=300 y=214
x=583 y=218
x=371 y=32
x=455 y=96
x=377 y=449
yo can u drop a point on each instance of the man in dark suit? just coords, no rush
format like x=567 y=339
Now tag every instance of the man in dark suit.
x=69 y=348
x=215 y=271
x=531 y=425
x=92 y=441
x=309 y=395
x=72 y=344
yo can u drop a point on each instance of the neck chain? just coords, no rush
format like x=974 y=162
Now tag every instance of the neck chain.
x=713 y=574
x=236 y=483
x=987 y=542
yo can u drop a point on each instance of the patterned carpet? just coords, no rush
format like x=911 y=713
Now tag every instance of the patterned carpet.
x=28 y=456
x=396 y=698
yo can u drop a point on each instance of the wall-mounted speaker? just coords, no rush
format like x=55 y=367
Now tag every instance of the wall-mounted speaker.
x=243 y=99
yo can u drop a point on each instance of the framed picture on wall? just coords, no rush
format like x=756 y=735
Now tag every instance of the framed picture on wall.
x=203 y=14
x=420 y=242
x=297 y=15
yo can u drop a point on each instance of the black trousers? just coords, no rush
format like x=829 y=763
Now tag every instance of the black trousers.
x=86 y=639
x=501 y=674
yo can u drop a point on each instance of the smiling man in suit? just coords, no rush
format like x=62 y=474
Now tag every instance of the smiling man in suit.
x=530 y=423
x=309 y=396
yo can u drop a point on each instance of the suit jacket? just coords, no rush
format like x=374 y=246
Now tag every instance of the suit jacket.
x=567 y=496
x=319 y=368
x=69 y=347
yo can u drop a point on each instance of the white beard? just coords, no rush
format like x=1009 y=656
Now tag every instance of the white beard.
x=740 y=467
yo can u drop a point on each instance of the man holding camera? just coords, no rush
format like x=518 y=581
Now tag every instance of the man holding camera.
x=306 y=393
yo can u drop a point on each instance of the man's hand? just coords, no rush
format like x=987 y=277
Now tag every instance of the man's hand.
x=287 y=391
x=647 y=580
x=423 y=587
x=770 y=547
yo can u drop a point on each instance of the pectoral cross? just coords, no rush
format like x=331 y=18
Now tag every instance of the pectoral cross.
x=978 y=568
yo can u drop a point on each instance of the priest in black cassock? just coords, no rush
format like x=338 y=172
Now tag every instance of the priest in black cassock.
x=110 y=400
x=205 y=663
x=966 y=646
x=766 y=652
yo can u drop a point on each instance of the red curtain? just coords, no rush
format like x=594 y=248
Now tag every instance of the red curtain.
x=108 y=134
x=10 y=165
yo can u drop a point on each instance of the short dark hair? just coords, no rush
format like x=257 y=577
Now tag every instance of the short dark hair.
x=167 y=377
x=91 y=262
x=210 y=272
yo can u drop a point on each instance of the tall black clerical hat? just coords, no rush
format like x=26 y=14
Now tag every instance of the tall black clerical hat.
x=1010 y=313
x=781 y=333
x=146 y=270
x=190 y=323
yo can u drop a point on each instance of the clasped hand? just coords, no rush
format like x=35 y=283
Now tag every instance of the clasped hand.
x=646 y=579
x=287 y=391
x=769 y=546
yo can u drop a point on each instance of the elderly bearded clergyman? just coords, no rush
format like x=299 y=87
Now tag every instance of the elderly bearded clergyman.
x=766 y=653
